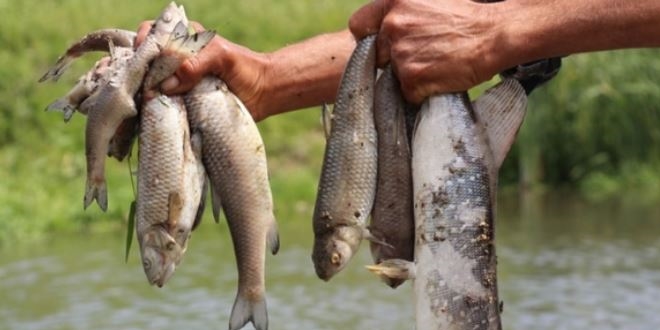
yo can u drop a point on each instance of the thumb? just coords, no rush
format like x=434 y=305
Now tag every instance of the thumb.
x=366 y=21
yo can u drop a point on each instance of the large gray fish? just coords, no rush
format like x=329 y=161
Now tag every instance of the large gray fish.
x=457 y=152
x=235 y=160
x=170 y=184
x=113 y=102
x=348 y=178
x=392 y=216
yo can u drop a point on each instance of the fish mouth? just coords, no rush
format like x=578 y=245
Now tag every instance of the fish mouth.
x=164 y=276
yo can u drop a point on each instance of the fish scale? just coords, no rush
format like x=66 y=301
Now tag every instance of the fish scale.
x=235 y=160
x=169 y=186
x=453 y=185
x=348 y=177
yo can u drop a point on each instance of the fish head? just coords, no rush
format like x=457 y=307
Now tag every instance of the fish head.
x=160 y=255
x=334 y=250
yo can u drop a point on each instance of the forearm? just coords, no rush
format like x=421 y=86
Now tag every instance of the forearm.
x=547 y=28
x=305 y=74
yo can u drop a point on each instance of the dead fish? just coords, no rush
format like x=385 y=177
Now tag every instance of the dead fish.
x=457 y=152
x=100 y=40
x=348 y=178
x=392 y=216
x=113 y=102
x=170 y=184
x=88 y=83
x=235 y=160
x=181 y=45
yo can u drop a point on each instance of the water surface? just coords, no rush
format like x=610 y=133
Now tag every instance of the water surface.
x=563 y=264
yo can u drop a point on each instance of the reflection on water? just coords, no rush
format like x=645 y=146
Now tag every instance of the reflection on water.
x=562 y=265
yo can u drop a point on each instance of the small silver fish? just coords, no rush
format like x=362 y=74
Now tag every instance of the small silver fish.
x=170 y=183
x=235 y=160
x=348 y=178
x=392 y=216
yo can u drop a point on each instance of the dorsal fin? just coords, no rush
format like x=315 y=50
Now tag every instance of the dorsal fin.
x=501 y=110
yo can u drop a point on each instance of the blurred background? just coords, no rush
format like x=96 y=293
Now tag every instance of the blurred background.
x=578 y=209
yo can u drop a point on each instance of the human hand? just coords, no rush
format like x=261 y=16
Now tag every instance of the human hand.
x=240 y=68
x=434 y=47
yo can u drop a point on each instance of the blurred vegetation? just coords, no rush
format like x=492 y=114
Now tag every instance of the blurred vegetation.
x=596 y=127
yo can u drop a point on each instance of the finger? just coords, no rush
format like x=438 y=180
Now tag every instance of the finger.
x=383 y=49
x=367 y=20
x=142 y=32
x=197 y=26
x=185 y=78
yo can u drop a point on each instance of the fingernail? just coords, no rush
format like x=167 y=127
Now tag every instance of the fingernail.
x=169 y=84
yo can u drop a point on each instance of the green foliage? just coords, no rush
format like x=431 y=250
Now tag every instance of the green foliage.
x=600 y=115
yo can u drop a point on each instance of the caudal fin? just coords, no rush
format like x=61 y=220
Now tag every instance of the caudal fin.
x=63 y=105
x=56 y=71
x=245 y=311
x=182 y=41
x=96 y=191
x=501 y=110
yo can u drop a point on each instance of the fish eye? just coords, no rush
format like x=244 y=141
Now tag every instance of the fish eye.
x=146 y=264
x=170 y=246
x=335 y=259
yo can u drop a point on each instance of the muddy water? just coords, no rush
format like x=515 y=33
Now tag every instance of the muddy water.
x=563 y=264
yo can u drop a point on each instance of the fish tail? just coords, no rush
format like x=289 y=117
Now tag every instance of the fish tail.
x=245 y=311
x=96 y=190
x=190 y=43
x=58 y=69
x=63 y=105
x=273 y=238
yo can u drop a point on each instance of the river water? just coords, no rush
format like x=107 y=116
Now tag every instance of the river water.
x=563 y=264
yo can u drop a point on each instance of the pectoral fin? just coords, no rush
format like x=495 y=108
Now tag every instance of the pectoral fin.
x=175 y=206
x=501 y=110
x=394 y=269
x=326 y=117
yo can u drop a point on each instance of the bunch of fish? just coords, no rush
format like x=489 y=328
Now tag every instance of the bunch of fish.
x=429 y=184
x=182 y=140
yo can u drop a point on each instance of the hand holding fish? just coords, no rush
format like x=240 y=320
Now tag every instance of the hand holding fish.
x=267 y=83
x=438 y=47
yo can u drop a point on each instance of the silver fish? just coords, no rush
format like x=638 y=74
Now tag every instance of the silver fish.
x=457 y=152
x=170 y=184
x=86 y=84
x=113 y=102
x=392 y=216
x=235 y=160
x=348 y=178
